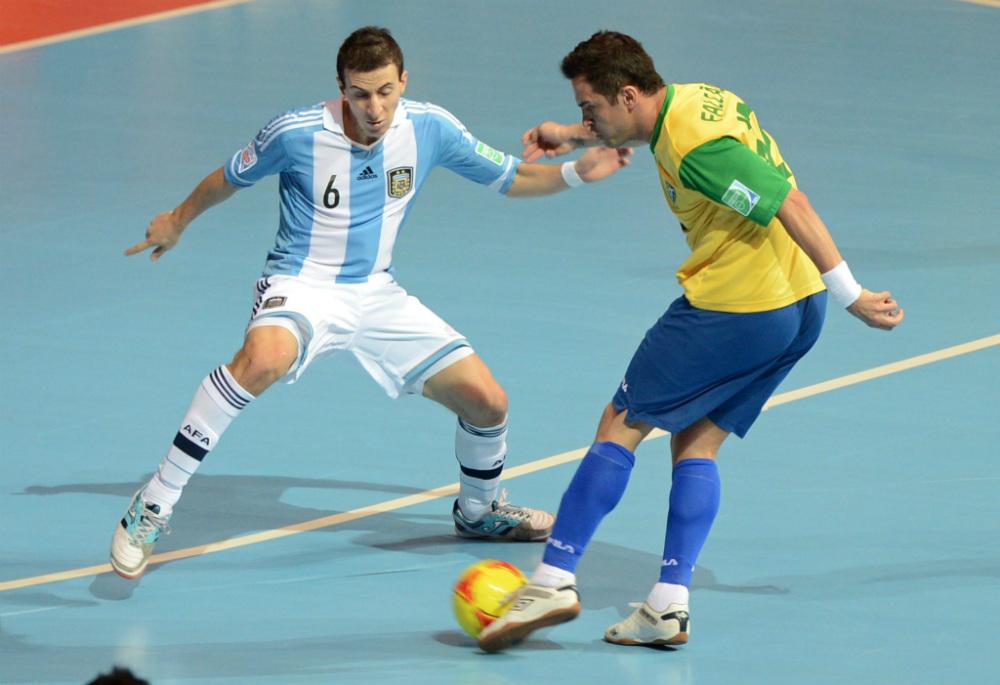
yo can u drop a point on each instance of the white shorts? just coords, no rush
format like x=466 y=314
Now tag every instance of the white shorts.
x=400 y=342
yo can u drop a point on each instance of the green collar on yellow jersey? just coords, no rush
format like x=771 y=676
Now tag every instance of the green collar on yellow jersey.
x=659 y=119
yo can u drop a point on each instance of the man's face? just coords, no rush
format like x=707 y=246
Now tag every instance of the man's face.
x=372 y=97
x=612 y=123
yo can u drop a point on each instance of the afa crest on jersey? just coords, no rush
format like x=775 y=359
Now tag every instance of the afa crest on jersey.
x=400 y=181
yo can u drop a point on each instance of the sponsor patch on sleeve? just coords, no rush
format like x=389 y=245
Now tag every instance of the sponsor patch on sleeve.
x=740 y=198
x=489 y=153
x=248 y=157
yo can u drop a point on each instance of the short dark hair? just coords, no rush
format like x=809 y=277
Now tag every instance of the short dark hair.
x=610 y=61
x=118 y=676
x=367 y=49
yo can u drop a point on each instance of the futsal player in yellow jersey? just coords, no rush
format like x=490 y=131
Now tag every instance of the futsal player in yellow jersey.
x=756 y=284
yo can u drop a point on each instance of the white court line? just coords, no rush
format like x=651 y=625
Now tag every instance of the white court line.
x=116 y=25
x=36 y=611
x=513 y=472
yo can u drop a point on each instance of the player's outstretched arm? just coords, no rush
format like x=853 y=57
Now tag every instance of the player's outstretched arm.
x=165 y=229
x=550 y=139
x=878 y=310
x=533 y=180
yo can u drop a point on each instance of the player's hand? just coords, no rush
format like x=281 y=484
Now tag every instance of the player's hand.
x=548 y=139
x=878 y=310
x=600 y=162
x=163 y=233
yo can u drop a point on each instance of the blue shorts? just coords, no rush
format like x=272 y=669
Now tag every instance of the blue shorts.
x=695 y=363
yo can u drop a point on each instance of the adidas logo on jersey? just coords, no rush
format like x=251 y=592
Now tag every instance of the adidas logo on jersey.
x=366 y=174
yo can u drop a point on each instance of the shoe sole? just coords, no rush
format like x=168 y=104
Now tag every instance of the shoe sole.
x=678 y=639
x=516 y=632
x=537 y=537
x=128 y=575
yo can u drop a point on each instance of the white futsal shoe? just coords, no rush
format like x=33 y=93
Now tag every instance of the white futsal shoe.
x=647 y=627
x=531 y=607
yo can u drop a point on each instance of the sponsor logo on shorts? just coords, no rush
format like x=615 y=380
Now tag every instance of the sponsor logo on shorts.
x=248 y=157
x=495 y=156
x=273 y=302
x=740 y=198
x=400 y=181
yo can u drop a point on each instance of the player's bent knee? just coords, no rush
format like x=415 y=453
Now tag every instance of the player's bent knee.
x=485 y=404
x=263 y=359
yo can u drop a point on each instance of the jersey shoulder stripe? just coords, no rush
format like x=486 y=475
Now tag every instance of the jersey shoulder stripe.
x=418 y=109
x=278 y=133
x=293 y=114
x=295 y=119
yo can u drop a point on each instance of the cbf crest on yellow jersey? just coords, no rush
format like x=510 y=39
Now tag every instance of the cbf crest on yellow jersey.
x=724 y=178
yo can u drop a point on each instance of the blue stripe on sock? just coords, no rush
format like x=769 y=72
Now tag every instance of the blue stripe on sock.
x=482 y=475
x=228 y=392
x=184 y=444
x=224 y=392
x=178 y=466
x=482 y=432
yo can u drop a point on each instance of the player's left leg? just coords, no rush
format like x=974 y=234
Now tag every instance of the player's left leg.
x=664 y=618
x=408 y=349
x=468 y=389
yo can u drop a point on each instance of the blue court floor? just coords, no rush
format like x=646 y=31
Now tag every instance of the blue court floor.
x=859 y=535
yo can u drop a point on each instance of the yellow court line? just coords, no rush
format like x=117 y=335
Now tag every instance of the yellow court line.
x=987 y=3
x=115 y=26
x=512 y=472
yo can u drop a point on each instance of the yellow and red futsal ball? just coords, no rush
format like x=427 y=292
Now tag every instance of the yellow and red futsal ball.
x=480 y=592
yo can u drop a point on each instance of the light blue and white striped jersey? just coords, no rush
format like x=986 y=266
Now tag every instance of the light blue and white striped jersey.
x=342 y=203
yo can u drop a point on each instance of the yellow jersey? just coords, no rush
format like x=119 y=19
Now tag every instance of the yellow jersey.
x=724 y=178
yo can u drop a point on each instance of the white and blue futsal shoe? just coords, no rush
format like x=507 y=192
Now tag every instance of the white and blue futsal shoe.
x=135 y=537
x=505 y=521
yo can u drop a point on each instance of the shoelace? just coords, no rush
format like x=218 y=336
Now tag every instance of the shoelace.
x=147 y=524
x=511 y=509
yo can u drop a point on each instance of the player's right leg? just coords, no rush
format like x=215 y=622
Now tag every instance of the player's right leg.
x=267 y=354
x=550 y=597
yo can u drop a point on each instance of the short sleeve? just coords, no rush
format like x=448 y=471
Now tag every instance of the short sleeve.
x=471 y=158
x=728 y=172
x=265 y=155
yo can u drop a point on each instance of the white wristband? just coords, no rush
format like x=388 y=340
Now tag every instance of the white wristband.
x=840 y=282
x=570 y=176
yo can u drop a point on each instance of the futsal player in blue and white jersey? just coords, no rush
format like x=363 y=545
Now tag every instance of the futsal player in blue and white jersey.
x=349 y=169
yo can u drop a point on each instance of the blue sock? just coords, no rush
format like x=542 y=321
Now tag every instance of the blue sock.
x=694 y=501
x=596 y=488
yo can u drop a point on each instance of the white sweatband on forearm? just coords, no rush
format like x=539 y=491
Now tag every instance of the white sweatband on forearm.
x=570 y=176
x=840 y=283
